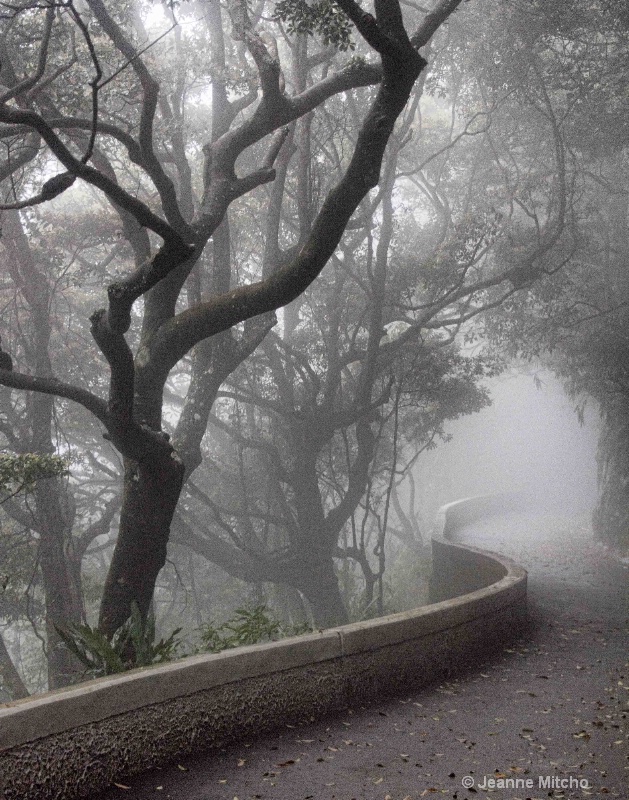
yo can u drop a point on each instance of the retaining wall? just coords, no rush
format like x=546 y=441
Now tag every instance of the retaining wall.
x=457 y=570
x=73 y=742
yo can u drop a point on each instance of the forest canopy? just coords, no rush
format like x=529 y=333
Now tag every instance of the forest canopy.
x=250 y=253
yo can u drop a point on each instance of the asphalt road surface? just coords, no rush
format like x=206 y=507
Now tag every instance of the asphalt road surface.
x=546 y=717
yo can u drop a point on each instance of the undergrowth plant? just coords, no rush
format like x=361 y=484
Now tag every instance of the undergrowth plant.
x=246 y=627
x=133 y=645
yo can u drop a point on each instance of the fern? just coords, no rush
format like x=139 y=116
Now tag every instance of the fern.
x=133 y=645
x=246 y=627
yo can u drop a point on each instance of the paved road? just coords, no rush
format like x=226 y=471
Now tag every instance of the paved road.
x=546 y=717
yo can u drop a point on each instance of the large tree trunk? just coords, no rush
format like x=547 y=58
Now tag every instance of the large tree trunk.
x=150 y=496
x=312 y=542
x=317 y=581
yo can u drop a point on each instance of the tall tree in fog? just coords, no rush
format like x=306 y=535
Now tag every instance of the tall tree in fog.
x=577 y=319
x=116 y=114
x=471 y=210
x=55 y=523
x=357 y=382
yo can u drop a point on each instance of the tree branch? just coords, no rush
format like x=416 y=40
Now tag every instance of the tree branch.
x=52 y=386
x=433 y=21
x=90 y=175
x=23 y=86
x=179 y=335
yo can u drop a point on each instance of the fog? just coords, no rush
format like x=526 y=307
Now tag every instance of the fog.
x=250 y=275
x=529 y=439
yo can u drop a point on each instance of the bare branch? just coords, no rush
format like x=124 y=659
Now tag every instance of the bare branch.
x=118 y=195
x=52 y=386
x=433 y=21
x=150 y=89
x=179 y=335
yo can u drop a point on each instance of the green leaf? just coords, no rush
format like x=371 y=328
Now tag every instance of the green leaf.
x=323 y=17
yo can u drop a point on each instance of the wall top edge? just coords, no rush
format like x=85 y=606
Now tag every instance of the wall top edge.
x=261 y=659
x=54 y=712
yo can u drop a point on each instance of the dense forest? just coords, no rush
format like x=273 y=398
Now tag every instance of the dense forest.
x=255 y=257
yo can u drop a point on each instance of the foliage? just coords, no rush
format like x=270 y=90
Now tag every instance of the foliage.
x=133 y=645
x=21 y=472
x=407 y=581
x=363 y=372
x=246 y=627
x=323 y=17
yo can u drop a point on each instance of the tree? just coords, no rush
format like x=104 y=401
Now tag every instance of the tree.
x=59 y=518
x=18 y=474
x=326 y=412
x=156 y=196
x=576 y=320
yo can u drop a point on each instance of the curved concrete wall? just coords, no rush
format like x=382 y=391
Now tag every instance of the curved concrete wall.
x=456 y=570
x=454 y=516
x=72 y=743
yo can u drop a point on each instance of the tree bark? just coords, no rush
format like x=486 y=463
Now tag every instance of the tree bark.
x=150 y=495
x=317 y=581
x=9 y=674
x=62 y=597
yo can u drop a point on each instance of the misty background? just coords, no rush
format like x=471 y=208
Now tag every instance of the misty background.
x=531 y=439
x=277 y=280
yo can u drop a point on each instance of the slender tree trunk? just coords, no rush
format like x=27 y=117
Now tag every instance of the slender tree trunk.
x=9 y=674
x=62 y=589
x=62 y=597
x=54 y=511
x=611 y=514
x=150 y=495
